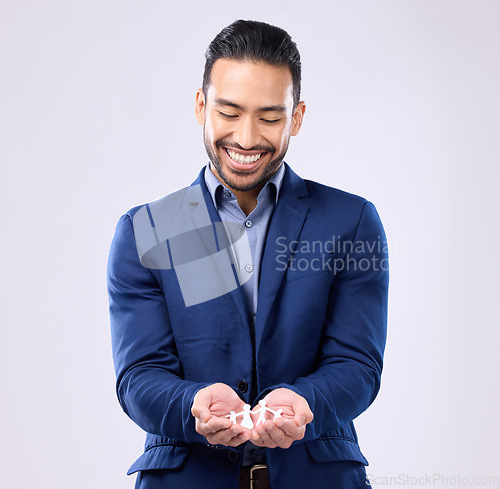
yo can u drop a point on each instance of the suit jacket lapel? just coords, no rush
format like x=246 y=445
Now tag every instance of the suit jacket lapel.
x=200 y=201
x=285 y=227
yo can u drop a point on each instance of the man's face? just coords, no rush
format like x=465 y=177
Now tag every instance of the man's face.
x=248 y=118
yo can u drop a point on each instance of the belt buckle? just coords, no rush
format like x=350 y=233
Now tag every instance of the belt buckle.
x=253 y=468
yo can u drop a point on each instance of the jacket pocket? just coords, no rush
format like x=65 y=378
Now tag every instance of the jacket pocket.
x=159 y=457
x=333 y=448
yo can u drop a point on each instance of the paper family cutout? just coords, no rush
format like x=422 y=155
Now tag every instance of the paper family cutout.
x=246 y=415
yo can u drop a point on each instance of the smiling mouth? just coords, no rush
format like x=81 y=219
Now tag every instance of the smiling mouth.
x=244 y=159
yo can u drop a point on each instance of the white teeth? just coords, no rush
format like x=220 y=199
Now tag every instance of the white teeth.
x=241 y=158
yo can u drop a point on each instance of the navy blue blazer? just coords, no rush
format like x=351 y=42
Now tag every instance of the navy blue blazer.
x=320 y=330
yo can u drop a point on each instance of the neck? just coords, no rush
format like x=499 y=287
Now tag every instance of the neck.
x=247 y=199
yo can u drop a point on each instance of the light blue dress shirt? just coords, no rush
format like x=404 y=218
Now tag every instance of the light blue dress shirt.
x=255 y=224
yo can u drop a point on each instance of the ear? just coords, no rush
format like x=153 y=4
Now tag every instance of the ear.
x=297 y=118
x=199 y=107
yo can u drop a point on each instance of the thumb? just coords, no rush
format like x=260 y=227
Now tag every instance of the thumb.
x=303 y=414
x=203 y=415
x=300 y=419
x=201 y=405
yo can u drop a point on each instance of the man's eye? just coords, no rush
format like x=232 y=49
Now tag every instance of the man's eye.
x=271 y=121
x=227 y=116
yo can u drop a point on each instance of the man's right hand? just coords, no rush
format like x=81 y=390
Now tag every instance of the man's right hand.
x=210 y=407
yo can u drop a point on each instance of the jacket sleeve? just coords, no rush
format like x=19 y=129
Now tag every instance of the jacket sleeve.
x=149 y=384
x=347 y=378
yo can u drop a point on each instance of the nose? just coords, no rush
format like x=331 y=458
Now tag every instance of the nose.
x=246 y=133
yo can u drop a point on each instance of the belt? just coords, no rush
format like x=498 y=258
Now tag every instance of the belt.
x=254 y=477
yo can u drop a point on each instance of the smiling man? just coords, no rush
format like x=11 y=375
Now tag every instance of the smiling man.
x=244 y=361
x=248 y=113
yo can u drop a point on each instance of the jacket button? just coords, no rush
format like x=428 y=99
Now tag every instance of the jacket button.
x=242 y=386
x=233 y=457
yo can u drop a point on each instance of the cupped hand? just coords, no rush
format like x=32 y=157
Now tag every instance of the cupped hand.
x=283 y=431
x=210 y=407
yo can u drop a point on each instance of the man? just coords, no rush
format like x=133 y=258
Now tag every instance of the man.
x=249 y=285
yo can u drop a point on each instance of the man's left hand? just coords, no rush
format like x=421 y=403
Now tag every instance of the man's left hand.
x=290 y=427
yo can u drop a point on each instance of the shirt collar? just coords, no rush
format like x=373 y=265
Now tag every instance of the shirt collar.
x=218 y=190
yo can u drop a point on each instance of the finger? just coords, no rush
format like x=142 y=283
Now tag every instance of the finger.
x=290 y=428
x=219 y=438
x=230 y=431
x=201 y=405
x=301 y=419
x=262 y=434
x=239 y=439
x=202 y=428
x=216 y=423
x=303 y=414
x=279 y=437
x=229 y=437
x=203 y=414
x=256 y=439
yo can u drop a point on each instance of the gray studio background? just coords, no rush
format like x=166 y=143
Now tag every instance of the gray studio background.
x=97 y=115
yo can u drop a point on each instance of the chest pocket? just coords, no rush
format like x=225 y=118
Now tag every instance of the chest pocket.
x=302 y=265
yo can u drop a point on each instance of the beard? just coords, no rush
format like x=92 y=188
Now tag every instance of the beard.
x=259 y=179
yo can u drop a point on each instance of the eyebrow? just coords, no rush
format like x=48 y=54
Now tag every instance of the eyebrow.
x=270 y=108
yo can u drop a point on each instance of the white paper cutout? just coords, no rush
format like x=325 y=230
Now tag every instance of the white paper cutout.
x=262 y=412
x=232 y=416
x=277 y=414
x=246 y=415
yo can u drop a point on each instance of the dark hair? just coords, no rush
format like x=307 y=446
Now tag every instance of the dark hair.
x=250 y=40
